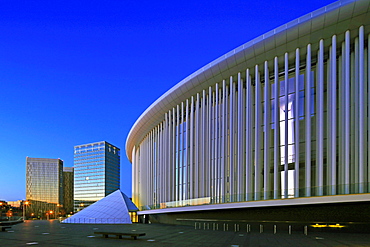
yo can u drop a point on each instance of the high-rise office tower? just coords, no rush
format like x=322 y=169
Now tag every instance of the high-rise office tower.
x=68 y=189
x=96 y=172
x=44 y=186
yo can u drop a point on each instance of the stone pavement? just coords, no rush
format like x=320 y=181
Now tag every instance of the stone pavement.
x=53 y=233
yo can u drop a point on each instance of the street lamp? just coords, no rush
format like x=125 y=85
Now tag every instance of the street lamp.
x=24 y=209
x=50 y=212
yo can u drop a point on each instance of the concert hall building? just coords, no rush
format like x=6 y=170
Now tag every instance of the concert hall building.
x=276 y=129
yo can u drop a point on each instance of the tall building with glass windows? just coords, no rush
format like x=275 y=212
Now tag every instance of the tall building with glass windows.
x=281 y=123
x=68 y=180
x=44 y=186
x=96 y=172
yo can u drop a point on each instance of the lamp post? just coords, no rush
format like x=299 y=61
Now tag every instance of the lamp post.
x=25 y=203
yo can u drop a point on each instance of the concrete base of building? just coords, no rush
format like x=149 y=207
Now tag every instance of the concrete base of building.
x=353 y=217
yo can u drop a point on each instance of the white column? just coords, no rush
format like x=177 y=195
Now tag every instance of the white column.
x=286 y=124
x=178 y=157
x=133 y=174
x=209 y=144
x=366 y=119
x=191 y=150
x=248 y=139
x=152 y=186
x=165 y=158
x=216 y=145
x=183 y=122
x=258 y=168
x=347 y=92
x=341 y=132
x=361 y=111
x=223 y=143
x=266 y=148
x=159 y=164
x=174 y=155
x=333 y=117
x=308 y=121
x=145 y=172
x=213 y=148
x=169 y=160
x=197 y=147
x=231 y=142
x=240 y=146
x=353 y=122
x=203 y=154
x=277 y=158
x=154 y=166
x=149 y=171
x=327 y=117
x=142 y=179
x=183 y=133
x=356 y=117
x=150 y=174
x=296 y=127
x=186 y=170
x=320 y=120
x=220 y=143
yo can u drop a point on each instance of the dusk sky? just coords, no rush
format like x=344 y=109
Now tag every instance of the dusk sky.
x=75 y=72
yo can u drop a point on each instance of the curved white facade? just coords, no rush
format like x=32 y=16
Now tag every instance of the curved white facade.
x=286 y=115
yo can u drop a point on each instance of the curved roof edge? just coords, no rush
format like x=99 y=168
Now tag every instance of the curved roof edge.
x=244 y=54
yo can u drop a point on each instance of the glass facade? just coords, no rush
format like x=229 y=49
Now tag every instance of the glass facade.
x=44 y=186
x=96 y=172
x=68 y=189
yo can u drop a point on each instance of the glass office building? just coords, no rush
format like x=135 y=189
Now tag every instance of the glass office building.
x=44 y=186
x=96 y=172
x=68 y=189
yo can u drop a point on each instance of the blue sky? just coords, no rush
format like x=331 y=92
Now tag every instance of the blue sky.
x=74 y=72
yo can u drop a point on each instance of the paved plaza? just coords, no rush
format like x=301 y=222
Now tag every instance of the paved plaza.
x=53 y=233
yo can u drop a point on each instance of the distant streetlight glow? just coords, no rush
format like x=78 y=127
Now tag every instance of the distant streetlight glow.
x=26 y=203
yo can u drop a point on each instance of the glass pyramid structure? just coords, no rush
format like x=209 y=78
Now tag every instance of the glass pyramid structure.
x=112 y=209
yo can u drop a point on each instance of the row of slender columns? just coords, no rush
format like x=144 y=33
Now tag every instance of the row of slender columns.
x=289 y=128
